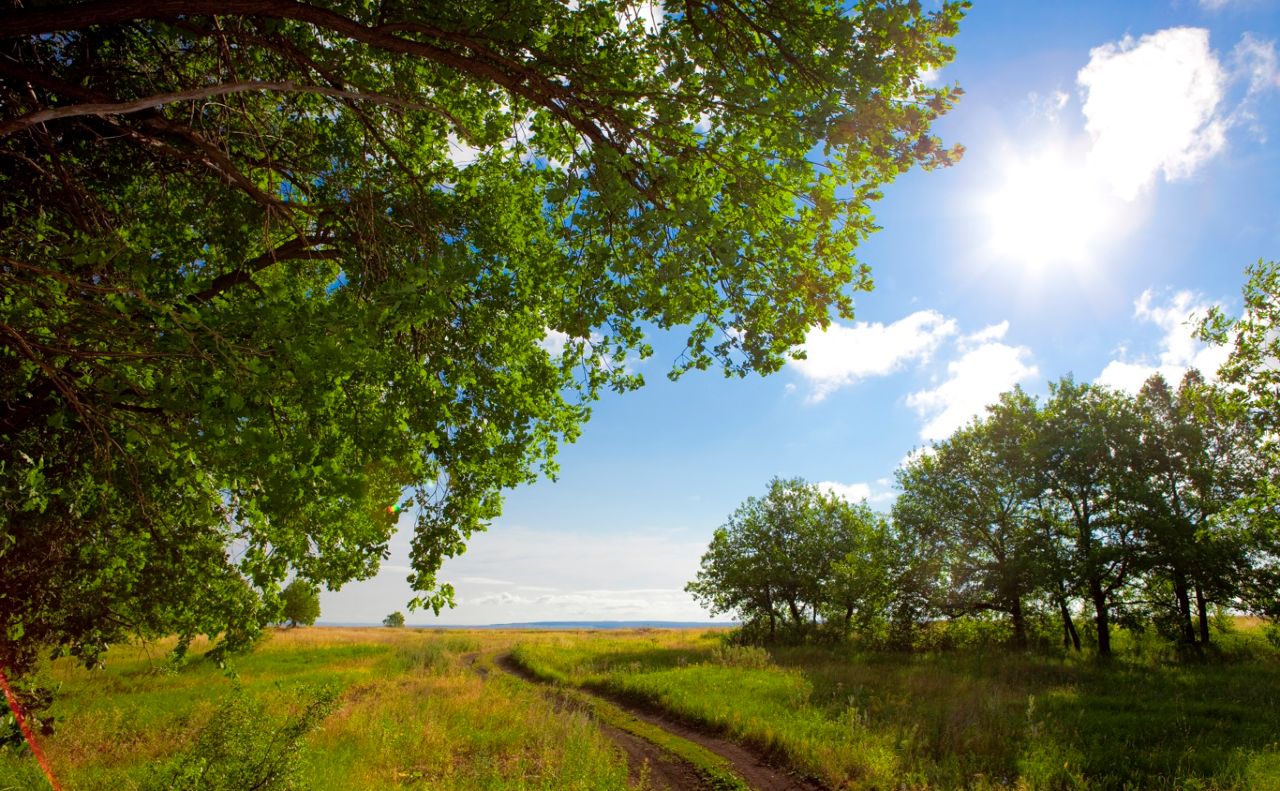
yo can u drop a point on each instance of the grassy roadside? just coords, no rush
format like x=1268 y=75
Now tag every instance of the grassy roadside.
x=956 y=720
x=713 y=769
x=409 y=716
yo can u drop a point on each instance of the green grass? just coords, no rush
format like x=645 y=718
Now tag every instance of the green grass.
x=410 y=716
x=958 y=720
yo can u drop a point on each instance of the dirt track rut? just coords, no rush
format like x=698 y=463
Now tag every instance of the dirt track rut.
x=666 y=771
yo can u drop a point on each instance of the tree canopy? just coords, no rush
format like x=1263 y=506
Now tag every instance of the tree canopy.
x=793 y=559
x=301 y=604
x=265 y=266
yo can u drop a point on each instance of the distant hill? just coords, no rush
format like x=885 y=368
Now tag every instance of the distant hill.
x=607 y=625
x=561 y=625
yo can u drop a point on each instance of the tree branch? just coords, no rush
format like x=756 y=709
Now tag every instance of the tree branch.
x=158 y=100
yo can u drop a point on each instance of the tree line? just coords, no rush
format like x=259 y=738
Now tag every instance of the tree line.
x=1144 y=511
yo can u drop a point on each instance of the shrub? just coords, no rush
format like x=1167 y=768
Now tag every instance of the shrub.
x=242 y=747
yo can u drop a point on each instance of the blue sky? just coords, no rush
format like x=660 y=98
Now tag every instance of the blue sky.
x=1121 y=172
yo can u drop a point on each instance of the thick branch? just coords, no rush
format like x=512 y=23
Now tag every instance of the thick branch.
x=527 y=83
x=158 y=100
x=298 y=248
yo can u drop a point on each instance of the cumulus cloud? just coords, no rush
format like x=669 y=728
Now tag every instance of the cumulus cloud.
x=986 y=368
x=1179 y=349
x=842 y=355
x=873 y=494
x=1151 y=107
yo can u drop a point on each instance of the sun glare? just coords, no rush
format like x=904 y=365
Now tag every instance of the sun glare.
x=1046 y=210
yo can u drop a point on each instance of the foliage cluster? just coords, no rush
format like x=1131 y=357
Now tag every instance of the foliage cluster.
x=301 y=603
x=240 y=747
x=798 y=561
x=266 y=267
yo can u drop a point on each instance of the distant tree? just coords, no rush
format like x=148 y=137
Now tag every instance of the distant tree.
x=394 y=619
x=301 y=603
x=794 y=560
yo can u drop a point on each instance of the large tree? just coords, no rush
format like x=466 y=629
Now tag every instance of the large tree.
x=974 y=498
x=265 y=265
x=1089 y=466
x=1201 y=459
x=1252 y=372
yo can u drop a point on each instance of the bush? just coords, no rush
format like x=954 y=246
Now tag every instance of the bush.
x=743 y=656
x=242 y=747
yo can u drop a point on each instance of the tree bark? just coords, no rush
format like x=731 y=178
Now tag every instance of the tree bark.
x=1183 y=595
x=1070 y=638
x=1019 y=624
x=1203 y=611
x=1102 y=617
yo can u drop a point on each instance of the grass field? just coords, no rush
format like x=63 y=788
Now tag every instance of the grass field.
x=410 y=716
x=413 y=712
x=954 y=720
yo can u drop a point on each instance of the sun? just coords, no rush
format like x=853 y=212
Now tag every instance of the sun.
x=1047 y=209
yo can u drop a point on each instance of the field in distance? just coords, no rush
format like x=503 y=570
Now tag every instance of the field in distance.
x=409 y=708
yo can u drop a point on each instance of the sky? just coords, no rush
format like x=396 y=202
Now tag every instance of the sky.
x=1121 y=170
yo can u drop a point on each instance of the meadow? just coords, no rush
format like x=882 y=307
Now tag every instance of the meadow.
x=433 y=709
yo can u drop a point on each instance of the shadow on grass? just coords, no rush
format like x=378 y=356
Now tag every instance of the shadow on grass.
x=991 y=718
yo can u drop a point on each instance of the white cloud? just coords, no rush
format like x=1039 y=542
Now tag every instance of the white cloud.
x=1255 y=59
x=1179 y=349
x=985 y=335
x=878 y=494
x=1048 y=105
x=484 y=581
x=1254 y=62
x=648 y=12
x=916 y=453
x=553 y=342
x=1152 y=107
x=974 y=381
x=840 y=355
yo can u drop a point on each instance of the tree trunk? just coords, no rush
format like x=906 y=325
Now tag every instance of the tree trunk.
x=1183 y=596
x=795 y=613
x=1070 y=637
x=1019 y=624
x=1102 y=617
x=1202 y=608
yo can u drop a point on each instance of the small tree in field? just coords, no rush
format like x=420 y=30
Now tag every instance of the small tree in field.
x=301 y=604
x=394 y=619
x=793 y=560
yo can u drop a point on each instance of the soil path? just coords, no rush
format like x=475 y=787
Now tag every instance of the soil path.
x=751 y=767
x=645 y=760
